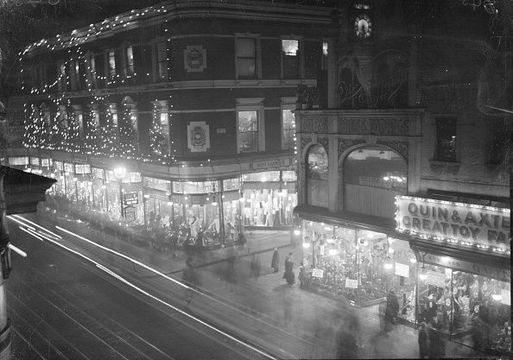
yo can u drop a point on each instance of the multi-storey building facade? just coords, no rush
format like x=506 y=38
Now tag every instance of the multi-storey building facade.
x=181 y=112
x=403 y=181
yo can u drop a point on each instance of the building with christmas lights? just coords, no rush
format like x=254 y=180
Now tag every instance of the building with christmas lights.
x=403 y=180
x=176 y=114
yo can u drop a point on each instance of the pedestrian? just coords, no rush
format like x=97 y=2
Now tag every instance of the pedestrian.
x=347 y=338
x=436 y=348
x=191 y=279
x=275 y=262
x=241 y=239
x=381 y=313
x=391 y=310
x=255 y=265
x=288 y=275
x=423 y=341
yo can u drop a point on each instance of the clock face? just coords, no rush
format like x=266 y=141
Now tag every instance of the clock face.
x=362 y=26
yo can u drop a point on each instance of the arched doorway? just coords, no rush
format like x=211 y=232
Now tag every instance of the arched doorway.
x=372 y=177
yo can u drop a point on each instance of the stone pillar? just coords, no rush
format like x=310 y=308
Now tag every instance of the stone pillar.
x=5 y=327
x=333 y=98
x=333 y=173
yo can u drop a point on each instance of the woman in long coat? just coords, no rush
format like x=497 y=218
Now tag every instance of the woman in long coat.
x=289 y=272
x=275 y=262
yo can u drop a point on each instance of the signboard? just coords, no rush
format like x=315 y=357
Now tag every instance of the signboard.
x=131 y=198
x=402 y=270
x=129 y=213
x=270 y=164
x=318 y=273
x=69 y=168
x=435 y=278
x=198 y=136
x=351 y=283
x=469 y=223
x=195 y=58
x=460 y=265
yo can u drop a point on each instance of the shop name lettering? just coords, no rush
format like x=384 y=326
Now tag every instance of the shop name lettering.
x=460 y=224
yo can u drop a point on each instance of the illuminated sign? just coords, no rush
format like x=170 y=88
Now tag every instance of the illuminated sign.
x=486 y=227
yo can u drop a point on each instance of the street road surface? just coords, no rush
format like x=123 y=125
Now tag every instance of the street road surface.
x=65 y=306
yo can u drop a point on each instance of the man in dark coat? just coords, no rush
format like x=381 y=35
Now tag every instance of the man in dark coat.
x=392 y=310
x=275 y=262
x=423 y=341
x=289 y=270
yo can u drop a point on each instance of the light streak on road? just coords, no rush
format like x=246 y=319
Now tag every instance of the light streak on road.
x=40 y=235
x=17 y=250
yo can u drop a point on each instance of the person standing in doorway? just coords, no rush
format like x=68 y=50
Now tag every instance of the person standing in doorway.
x=275 y=262
x=391 y=311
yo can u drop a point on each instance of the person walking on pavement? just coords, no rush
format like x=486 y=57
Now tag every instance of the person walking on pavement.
x=255 y=265
x=191 y=279
x=275 y=262
x=436 y=348
x=423 y=341
x=347 y=338
x=391 y=311
x=288 y=275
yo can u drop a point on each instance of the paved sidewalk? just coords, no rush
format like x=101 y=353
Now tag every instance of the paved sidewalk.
x=304 y=315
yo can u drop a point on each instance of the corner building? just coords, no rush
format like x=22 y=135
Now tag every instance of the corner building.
x=403 y=181
x=176 y=114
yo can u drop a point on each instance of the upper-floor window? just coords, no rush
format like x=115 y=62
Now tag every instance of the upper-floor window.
x=250 y=125
x=248 y=130
x=324 y=58
x=112 y=63
x=129 y=61
x=246 y=57
x=445 y=139
x=288 y=124
x=161 y=61
x=317 y=176
x=92 y=71
x=290 y=58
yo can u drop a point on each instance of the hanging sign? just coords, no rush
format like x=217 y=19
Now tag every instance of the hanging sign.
x=464 y=223
x=402 y=270
x=195 y=58
x=351 y=283
x=130 y=198
x=318 y=273
x=198 y=136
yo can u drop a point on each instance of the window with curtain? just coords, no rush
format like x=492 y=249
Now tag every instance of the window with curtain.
x=246 y=58
x=445 y=139
x=247 y=130
x=317 y=177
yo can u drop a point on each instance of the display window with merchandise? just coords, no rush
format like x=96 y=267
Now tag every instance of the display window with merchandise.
x=473 y=309
x=360 y=265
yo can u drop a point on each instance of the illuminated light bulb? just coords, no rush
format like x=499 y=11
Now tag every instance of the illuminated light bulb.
x=423 y=277
x=306 y=245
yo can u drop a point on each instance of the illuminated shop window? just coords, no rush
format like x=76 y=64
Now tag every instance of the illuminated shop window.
x=155 y=183
x=264 y=176
x=289 y=176
x=193 y=187
x=231 y=184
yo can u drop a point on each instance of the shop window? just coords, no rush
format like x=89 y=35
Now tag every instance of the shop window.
x=246 y=61
x=291 y=59
x=231 y=184
x=474 y=309
x=247 y=122
x=162 y=62
x=289 y=176
x=373 y=176
x=445 y=139
x=264 y=176
x=193 y=187
x=159 y=184
x=82 y=169
x=97 y=173
x=288 y=129
x=317 y=177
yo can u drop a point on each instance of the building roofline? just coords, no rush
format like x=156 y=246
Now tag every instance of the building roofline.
x=172 y=10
